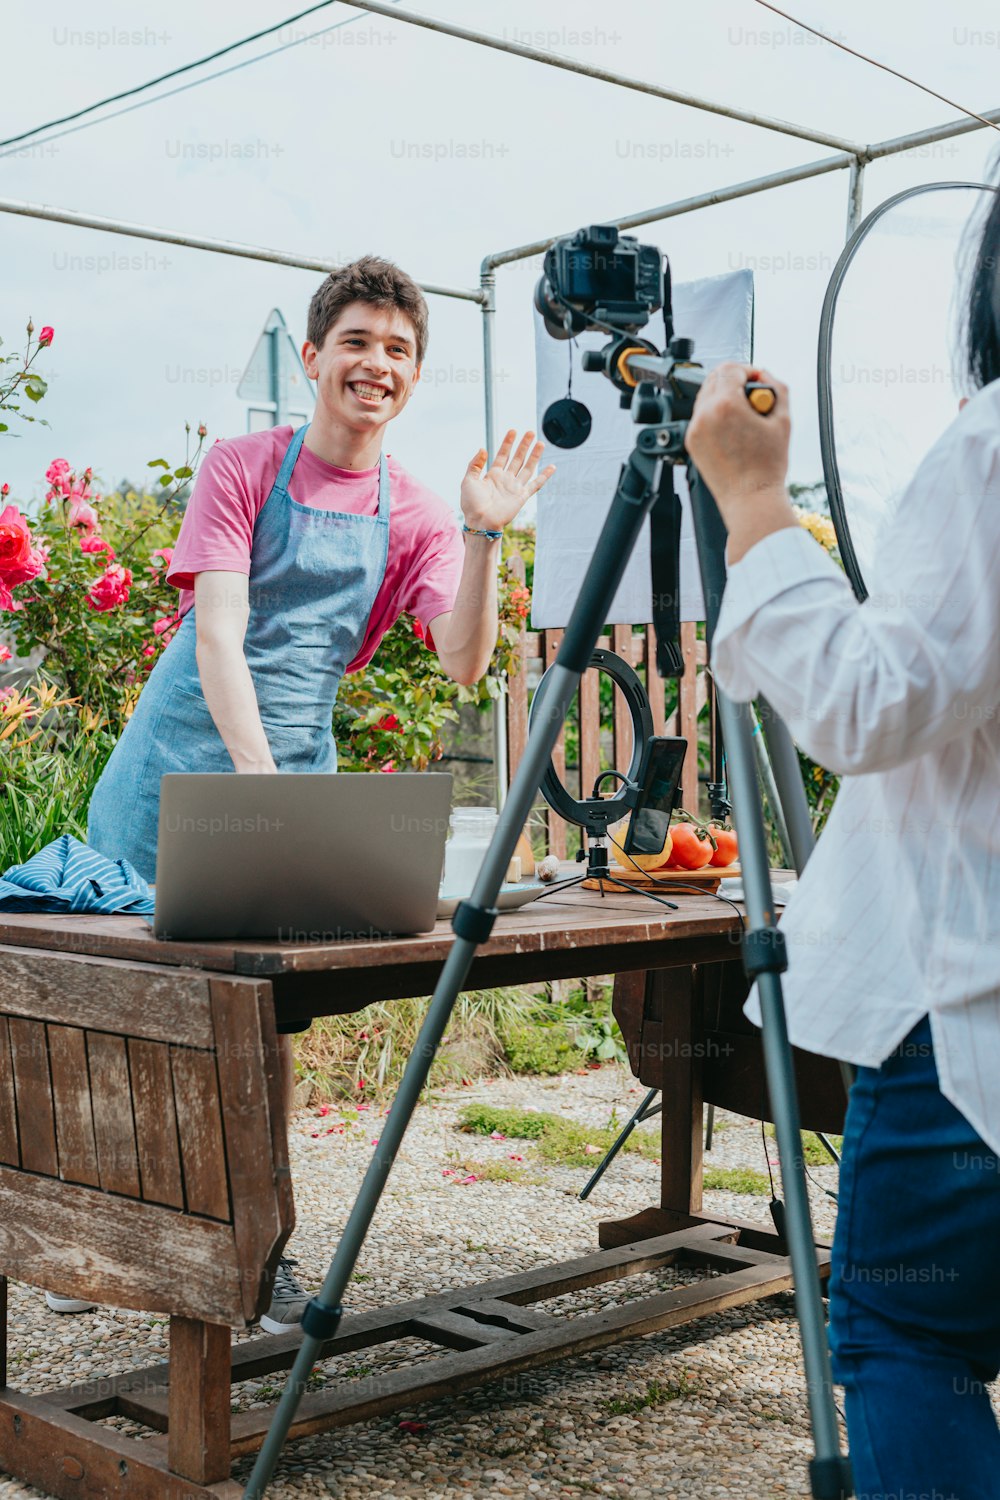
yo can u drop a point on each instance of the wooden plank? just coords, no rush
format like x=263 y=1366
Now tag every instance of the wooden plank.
x=67 y=1456
x=555 y=827
x=677 y=994
x=457 y=1330
x=655 y=685
x=109 y=1249
x=111 y=1100
x=199 y=1123
x=104 y=996
x=504 y=1314
x=139 y=1393
x=33 y=1089
x=112 y=937
x=256 y=1140
x=155 y=1123
x=198 y=1443
x=9 y=1152
x=3 y=1331
x=688 y=715
x=621 y=637
x=71 y=1097
x=341 y=1403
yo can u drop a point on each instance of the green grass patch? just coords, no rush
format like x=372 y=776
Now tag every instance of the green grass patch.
x=656 y=1393
x=494 y=1171
x=814 y=1153
x=556 y=1139
x=737 y=1180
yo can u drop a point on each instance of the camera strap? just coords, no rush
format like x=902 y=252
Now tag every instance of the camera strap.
x=665 y=566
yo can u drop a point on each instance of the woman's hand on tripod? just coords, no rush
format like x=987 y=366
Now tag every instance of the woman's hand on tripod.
x=742 y=456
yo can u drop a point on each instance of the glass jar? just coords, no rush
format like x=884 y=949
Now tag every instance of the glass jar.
x=469 y=835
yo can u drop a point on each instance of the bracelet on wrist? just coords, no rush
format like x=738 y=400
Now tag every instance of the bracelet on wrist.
x=475 y=531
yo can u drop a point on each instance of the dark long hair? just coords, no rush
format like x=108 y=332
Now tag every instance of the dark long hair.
x=982 y=328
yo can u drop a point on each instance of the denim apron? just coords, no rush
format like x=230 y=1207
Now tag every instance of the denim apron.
x=314 y=578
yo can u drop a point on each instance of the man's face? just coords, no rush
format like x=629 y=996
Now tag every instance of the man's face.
x=366 y=367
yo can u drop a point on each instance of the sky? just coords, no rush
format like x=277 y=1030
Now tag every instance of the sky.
x=384 y=138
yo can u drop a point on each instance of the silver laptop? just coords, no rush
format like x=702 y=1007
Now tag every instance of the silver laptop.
x=300 y=858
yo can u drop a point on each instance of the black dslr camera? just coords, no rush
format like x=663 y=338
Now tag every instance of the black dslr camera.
x=598 y=276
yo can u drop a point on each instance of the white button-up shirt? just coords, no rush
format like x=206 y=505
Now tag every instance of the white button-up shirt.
x=898 y=911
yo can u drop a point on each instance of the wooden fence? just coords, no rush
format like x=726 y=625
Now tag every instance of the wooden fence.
x=675 y=706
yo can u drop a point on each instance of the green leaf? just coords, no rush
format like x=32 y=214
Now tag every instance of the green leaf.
x=157 y=463
x=35 y=387
x=165 y=479
x=4 y=427
x=183 y=472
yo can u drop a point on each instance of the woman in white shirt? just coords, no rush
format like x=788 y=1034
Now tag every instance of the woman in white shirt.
x=894 y=931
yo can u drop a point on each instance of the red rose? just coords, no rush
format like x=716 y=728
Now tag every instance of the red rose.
x=111 y=589
x=45 y=337
x=419 y=631
x=388 y=721
x=97 y=544
x=15 y=542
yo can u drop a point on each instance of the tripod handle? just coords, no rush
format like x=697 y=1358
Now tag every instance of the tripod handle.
x=762 y=398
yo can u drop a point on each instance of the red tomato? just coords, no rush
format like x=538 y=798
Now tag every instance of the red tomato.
x=692 y=847
x=727 y=848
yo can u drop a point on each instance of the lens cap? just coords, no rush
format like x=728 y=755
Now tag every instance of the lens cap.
x=566 y=423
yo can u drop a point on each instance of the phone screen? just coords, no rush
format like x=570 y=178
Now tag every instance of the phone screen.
x=659 y=779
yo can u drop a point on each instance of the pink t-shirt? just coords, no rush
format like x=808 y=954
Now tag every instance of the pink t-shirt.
x=236 y=476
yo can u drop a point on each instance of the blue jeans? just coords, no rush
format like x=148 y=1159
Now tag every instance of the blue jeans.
x=915 y=1287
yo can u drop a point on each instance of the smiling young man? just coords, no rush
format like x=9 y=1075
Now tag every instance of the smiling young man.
x=297 y=552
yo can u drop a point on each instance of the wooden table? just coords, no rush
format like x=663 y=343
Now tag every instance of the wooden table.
x=144 y=1163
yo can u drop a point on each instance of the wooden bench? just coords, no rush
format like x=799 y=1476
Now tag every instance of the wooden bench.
x=143 y=1164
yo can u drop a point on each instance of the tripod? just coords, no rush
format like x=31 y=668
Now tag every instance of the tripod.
x=662 y=415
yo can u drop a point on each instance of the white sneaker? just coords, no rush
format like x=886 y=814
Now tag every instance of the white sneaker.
x=68 y=1304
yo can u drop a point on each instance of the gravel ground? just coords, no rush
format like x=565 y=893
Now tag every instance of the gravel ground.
x=727 y=1415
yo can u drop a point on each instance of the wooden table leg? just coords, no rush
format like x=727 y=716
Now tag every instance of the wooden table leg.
x=200 y=1361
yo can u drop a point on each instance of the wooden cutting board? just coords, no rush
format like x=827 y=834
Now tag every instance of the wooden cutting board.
x=646 y=880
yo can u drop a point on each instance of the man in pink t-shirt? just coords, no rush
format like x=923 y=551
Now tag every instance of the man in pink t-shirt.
x=366 y=339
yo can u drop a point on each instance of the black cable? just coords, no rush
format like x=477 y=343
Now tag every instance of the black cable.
x=165 y=77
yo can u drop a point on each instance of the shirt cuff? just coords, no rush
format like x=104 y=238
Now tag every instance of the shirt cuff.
x=773 y=565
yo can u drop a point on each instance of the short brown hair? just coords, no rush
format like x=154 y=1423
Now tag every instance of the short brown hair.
x=372 y=280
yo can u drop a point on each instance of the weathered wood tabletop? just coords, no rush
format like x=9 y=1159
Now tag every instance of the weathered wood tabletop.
x=144 y=1161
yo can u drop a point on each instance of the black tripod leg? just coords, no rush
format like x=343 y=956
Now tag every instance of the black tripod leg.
x=472 y=924
x=630 y=1125
x=764 y=960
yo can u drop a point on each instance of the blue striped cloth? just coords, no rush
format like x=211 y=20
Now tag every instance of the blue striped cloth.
x=67 y=876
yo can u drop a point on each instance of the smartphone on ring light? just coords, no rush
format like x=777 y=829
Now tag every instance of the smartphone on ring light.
x=659 y=792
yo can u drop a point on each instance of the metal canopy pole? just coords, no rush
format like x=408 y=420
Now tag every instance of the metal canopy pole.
x=201 y=242
x=637 y=85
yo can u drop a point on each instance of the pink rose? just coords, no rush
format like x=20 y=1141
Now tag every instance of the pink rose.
x=111 y=589
x=5 y=654
x=56 y=470
x=97 y=544
x=45 y=337
x=165 y=623
x=30 y=568
x=15 y=541
x=167 y=556
x=82 y=514
x=6 y=597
